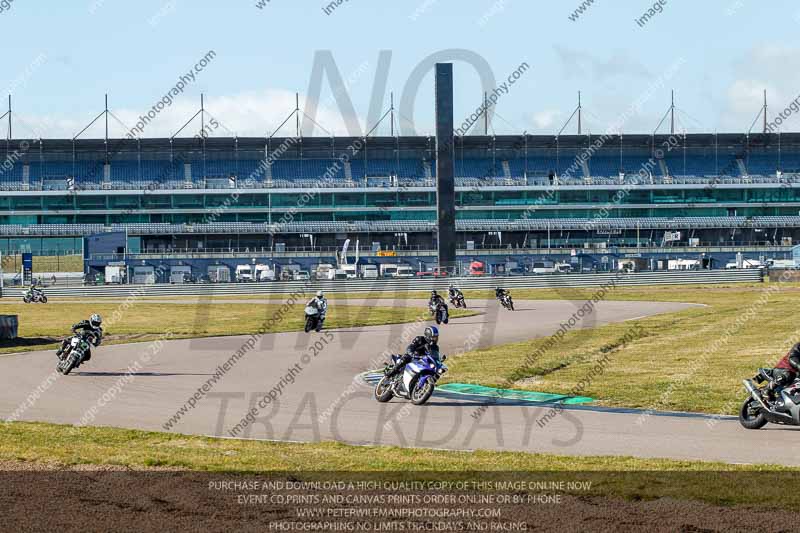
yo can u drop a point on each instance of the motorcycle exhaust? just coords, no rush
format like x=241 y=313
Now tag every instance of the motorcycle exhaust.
x=756 y=396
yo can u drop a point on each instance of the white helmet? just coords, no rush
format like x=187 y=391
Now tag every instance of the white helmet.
x=319 y=294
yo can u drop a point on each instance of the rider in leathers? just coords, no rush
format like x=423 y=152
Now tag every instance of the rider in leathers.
x=93 y=326
x=785 y=372
x=419 y=347
x=321 y=304
x=435 y=300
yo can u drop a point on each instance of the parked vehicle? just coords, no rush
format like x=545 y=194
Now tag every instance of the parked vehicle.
x=544 y=267
x=350 y=271
x=404 y=271
x=219 y=273
x=180 y=274
x=563 y=268
x=758 y=410
x=301 y=275
x=683 y=264
x=369 y=271
x=144 y=275
x=244 y=273
x=324 y=272
x=264 y=273
x=477 y=268
x=340 y=274
x=388 y=270
x=416 y=382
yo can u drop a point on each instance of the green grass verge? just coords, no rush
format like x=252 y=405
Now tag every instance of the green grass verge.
x=626 y=477
x=692 y=360
x=42 y=325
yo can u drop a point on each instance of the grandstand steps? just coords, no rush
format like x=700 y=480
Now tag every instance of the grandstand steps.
x=348 y=172
x=506 y=170
x=585 y=169
x=664 y=169
x=742 y=167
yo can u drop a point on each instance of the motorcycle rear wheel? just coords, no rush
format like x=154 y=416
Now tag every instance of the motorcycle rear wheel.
x=751 y=415
x=383 y=390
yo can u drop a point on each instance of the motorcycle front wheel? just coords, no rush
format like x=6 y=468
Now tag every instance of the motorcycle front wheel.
x=422 y=391
x=751 y=415
x=383 y=390
x=309 y=325
x=44 y=299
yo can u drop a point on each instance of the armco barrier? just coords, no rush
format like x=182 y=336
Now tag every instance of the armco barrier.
x=410 y=284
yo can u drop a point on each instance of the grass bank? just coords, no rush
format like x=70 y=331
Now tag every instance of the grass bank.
x=691 y=360
x=626 y=477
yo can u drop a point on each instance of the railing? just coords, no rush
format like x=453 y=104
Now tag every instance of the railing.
x=607 y=279
x=532 y=180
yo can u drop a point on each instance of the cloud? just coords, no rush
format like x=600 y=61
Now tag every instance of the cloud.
x=583 y=65
x=253 y=113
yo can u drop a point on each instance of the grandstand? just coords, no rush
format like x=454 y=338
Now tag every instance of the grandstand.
x=515 y=194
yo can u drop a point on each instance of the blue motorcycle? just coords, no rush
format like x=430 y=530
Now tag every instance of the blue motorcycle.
x=416 y=382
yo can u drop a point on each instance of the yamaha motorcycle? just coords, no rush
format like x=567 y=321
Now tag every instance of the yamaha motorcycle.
x=79 y=345
x=314 y=319
x=758 y=409
x=416 y=382
x=440 y=312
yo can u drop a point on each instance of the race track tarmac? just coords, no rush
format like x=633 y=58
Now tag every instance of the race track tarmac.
x=328 y=401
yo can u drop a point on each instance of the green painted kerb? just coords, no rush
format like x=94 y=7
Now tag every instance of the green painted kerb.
x=510 y=394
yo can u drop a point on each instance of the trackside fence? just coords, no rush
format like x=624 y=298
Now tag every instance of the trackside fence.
x=408 y=285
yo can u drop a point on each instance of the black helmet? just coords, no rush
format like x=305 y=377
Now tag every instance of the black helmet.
x=432 y=334
x=95 y=320
x=433 y=292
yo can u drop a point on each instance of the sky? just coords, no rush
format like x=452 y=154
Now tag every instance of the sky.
x=61 y=57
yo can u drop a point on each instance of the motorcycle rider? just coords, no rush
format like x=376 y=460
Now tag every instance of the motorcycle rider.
x=420 y=345
x=321 y=304
x=454 y=293
x=93 y=326
x=36 y=289
x=500 y=293
x=435 y=300
x=784 y=373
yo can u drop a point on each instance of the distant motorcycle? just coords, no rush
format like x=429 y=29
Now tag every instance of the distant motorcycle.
x=757 y=409
x=507 y=302
x=75 y=352
x=34 y=296
x=458 y=301
x=440 y=312
x=313 y=319
x=416 y=382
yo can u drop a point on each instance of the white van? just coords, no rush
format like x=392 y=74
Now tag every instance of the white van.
x=544 y=267
x=388 y=270
x=324 y=272
x=264 y=273
x=405 y=271
x=180 y=274
x=144 y=275
x=244 y=273
x=369 y=271
x=350 y=271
